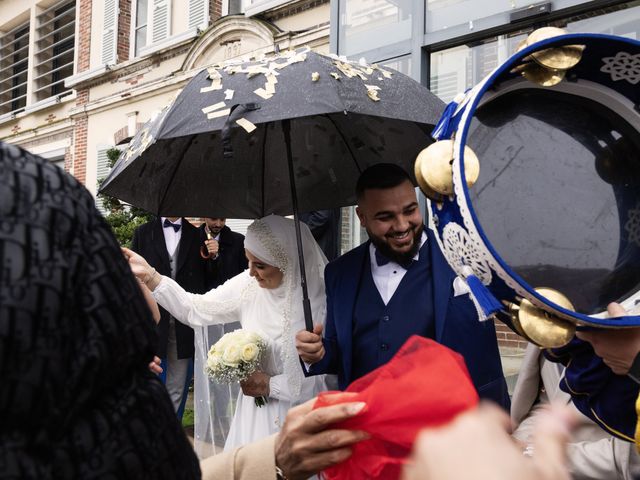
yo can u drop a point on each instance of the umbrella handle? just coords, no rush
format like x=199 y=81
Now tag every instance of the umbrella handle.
x=204 y=253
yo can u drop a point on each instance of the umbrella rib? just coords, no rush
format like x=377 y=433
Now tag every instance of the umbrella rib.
x=353 y=157
x=166 y=190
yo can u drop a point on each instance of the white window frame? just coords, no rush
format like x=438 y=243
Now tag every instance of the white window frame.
x=151 y=45
x=37 y=87
x=258 y=6
x=24 y=98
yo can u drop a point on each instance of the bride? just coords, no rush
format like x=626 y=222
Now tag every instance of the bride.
x=267 y=299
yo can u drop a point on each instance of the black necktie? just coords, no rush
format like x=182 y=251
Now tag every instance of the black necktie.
x=381 y=260
x=175 y=226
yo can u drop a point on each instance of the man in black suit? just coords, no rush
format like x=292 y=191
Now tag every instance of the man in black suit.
x=171 y=246
x=222 y=251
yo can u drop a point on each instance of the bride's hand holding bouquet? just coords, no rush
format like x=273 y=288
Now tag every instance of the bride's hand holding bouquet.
x=236 y=358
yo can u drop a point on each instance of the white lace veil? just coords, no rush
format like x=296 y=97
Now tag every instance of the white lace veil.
x=271 y=239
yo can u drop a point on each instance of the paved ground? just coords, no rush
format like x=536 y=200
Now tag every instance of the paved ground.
x=511 y=360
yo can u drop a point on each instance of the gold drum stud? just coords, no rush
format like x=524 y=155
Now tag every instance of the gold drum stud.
x=434 y=172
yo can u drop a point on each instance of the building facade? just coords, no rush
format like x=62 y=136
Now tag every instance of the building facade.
x=81 y=76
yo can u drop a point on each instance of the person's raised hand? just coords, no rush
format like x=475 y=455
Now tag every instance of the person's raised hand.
x=141 y=268
x=309 y=345
x=477 y=445
x=212 y=247
x=307 y=444
x=617 y=348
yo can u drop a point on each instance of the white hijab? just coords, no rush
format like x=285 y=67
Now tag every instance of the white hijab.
x=272 y=239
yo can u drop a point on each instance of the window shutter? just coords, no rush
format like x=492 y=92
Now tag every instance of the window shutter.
x=199 y=14
x=110 y=32
x=238 y=225
x=161 y=17
x=102 y=170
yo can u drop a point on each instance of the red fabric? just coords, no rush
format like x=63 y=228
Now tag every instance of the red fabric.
x=424 y=385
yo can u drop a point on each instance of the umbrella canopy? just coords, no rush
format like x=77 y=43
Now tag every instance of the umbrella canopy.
x=220 y=149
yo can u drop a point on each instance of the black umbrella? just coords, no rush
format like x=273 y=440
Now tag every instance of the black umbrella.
x=276 y=135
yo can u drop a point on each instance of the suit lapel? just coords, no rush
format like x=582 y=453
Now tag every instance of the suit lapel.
x=186 y=237
x=443 y=278
x=159 y=244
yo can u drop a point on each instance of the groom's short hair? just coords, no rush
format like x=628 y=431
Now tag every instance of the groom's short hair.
x=381 y=176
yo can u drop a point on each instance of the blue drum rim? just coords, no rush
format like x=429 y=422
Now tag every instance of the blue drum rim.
x=463 y=129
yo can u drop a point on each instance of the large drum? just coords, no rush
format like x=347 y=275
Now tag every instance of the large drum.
x=547 y=233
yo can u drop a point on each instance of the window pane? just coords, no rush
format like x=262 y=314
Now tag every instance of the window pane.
x=624 y=22
x=141 y=13
x=401 y=64
x=457 y=69
x=442 y=14
x=141 y=39
x=370 y=24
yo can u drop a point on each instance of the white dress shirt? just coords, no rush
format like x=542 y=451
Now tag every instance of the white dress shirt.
x=387 y=277
x=171 y=237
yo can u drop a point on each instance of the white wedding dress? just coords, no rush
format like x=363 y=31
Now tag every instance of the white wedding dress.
x=276 y=314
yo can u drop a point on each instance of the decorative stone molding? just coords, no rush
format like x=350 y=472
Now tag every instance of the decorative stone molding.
x=230 y=37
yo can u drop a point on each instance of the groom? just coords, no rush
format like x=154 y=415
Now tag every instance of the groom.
x=396 y=285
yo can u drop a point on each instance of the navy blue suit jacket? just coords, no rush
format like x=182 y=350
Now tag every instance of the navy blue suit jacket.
x=456 y=323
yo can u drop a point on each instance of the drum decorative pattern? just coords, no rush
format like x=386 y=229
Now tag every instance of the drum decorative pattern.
x=462 y=250
x=623 y=66
x=633 y=225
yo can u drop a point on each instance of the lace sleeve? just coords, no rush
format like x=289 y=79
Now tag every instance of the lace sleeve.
x=217 y=306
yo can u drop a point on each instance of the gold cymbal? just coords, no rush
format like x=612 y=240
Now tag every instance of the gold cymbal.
x=559 y=58
x=544 y=33
x=543 y=328
x=434 y=173
x=540 y=75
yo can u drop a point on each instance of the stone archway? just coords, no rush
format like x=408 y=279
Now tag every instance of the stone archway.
x=231 y=37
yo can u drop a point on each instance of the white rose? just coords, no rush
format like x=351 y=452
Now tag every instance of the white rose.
x=253 y=337
x=232 y=356
x=250 y=352
x=222 y=344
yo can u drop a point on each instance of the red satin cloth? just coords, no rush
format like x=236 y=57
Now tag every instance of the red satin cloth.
x=424 y=385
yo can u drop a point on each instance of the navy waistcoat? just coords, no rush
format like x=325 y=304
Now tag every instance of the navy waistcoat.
x=380 y=330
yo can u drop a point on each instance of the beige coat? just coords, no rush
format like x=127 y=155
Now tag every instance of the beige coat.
x=249 y=462
x=593 y=453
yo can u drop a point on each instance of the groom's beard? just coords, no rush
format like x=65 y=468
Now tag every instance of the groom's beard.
x=401 y=258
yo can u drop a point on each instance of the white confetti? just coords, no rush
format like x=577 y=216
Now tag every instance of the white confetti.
x=261 y=92
x=246 y=124
x=219 y=113
x=215 y=106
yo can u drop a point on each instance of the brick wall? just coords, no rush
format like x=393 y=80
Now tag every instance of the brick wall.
x=84 y=35
x=215 y=10
x=79 y=160
x=124 y=30
x=506 y=337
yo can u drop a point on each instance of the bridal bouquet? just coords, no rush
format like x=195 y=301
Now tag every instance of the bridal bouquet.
x=236 y=356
